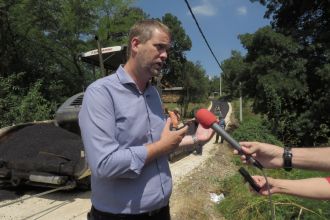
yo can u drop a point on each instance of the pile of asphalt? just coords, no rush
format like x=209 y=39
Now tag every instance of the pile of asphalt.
x=43 y=148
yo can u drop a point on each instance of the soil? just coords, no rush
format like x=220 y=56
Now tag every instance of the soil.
x=191 y=194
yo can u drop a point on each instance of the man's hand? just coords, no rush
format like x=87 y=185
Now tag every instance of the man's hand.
x=169 y=140
x=261 y=182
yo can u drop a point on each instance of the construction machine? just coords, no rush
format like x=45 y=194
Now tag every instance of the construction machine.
x=51 y=153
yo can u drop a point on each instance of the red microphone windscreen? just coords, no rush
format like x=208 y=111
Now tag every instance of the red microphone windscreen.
x=205 y=117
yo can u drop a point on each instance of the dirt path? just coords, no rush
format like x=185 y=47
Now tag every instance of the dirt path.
x=75 y=204
x=182 y=168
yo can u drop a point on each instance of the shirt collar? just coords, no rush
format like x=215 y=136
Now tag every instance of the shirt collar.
x=125 y=78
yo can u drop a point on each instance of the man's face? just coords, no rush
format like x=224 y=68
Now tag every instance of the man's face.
x=153 y=53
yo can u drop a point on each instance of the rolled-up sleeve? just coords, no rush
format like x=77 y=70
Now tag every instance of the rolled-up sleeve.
x=106 y=157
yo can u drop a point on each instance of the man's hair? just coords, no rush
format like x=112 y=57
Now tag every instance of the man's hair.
x=143 y=31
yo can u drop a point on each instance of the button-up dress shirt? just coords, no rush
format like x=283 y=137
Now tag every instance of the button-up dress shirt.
x=116 y=122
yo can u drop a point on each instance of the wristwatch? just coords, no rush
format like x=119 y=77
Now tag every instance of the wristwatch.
x=287 y=158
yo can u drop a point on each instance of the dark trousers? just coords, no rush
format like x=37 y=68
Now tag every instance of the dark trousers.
x=217 y=136
x=160 y=214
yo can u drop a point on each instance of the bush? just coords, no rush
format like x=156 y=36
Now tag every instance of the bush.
x=255 y=129
x=21 y=105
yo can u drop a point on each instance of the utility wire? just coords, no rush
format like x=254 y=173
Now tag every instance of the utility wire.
x=200 y=30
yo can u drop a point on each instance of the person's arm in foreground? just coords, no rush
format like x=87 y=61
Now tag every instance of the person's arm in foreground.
x=271 y=156
x=313 y=188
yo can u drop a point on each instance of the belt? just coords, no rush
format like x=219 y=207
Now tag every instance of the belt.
x=102 y=214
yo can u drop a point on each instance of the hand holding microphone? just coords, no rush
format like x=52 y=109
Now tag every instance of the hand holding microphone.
x=271 y=156
x=208 y=120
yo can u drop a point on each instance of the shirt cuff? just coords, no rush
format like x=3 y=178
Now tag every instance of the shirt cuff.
x=139 y=155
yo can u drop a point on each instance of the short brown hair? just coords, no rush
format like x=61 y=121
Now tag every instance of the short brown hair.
x=143 y=30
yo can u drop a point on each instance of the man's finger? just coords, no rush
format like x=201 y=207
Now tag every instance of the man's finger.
x=168 y=124
x=183 y=130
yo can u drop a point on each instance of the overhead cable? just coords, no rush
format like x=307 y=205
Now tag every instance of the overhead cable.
x=200 y=30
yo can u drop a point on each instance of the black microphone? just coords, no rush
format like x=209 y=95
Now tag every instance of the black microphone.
x=208 y=120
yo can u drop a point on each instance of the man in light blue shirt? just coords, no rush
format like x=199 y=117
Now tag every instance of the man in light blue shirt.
x=126 y=136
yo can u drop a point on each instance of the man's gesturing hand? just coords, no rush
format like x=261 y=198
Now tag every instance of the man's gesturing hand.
x=169 y=140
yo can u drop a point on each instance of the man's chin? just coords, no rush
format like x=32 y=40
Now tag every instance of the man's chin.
x=155 y=72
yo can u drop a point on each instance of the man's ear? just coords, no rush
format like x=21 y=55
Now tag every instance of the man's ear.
x=135 y=43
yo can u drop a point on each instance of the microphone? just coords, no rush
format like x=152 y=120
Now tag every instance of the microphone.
x=208 y=120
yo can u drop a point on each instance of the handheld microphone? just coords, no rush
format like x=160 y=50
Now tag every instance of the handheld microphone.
x=208 y=120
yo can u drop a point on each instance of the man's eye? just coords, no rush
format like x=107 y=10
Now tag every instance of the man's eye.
x=160 y=46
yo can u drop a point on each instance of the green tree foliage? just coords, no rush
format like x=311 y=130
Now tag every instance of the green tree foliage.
x=286 y=70
x=42 y=40
x=32 y=106
x=180 y=43
x=308 y=22
x=277 y=80
x=180 y=71
x=234 y=71
x=21 y=106
x=116 y=18
x=196 y=84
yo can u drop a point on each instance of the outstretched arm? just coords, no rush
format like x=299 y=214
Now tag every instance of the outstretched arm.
x=271 y=156
x=313 y=188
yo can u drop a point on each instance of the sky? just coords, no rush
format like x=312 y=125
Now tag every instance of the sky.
x=220 y=20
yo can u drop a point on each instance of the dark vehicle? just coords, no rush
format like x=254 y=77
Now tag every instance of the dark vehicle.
x=50 y=153
x=41 y=154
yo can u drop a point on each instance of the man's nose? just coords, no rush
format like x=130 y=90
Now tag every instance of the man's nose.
x=163 y=55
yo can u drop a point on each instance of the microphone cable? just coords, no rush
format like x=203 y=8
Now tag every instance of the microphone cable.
x=248 y=178
x=270 y=200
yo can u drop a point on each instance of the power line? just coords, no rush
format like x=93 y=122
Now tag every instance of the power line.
x=200 y=30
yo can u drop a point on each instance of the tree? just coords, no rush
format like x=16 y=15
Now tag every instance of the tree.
x=180 y=43
x=308 y=23
x=286 y=70
x=40 y=42
x=235 y=70
x=42 y=39
x=196 y=84
x=276 y=79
